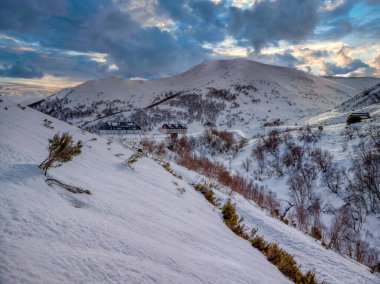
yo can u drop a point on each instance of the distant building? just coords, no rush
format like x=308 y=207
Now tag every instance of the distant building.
x=209 y=126
x=174 y=128
x=119 y=128
x=362 y=115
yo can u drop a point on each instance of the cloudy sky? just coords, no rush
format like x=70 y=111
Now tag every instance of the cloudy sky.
x=45 y=44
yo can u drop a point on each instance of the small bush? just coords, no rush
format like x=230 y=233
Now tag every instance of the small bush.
x=61 y=150
x=259 y=243
x=208 y=193
x=284 y=261
x=232 y=220
x=134 y=158
x=309 y=278
x=287 y=265
x=316 y=233
x=167 y=167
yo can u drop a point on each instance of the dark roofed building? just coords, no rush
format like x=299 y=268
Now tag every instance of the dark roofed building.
x=209 y=126
x=174 y=128
x=362 y=115
x=119 y=128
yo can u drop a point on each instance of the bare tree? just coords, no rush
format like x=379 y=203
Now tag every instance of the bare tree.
x=247 y=164
x=334 y=179
x=301 y=183
x=322 y=158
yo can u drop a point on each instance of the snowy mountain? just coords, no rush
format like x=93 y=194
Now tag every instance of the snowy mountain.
x=139 y=225
x=233 y=93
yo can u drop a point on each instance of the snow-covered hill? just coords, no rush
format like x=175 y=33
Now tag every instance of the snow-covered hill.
x=367 y=98
x=234 y=93
x=358 y=83
x=139 y=225
x=366 y=101
x=330 y=267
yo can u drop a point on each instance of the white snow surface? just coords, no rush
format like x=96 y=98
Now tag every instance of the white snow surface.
x=329 y=266
x=136 y=227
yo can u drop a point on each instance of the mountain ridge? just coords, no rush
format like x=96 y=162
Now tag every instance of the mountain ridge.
x=232 y=93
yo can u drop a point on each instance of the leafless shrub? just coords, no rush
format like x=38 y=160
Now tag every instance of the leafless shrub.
x=341 y=229
x=322 y=158
x=334 y=179
x=364 y=189
x=247 y=164
x=293 y=157
x=308 y=136
x=258 y=152
x=301 y=183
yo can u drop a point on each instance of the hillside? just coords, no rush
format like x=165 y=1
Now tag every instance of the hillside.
x=366 y=101
x=139 y=225
x=234 y=93
x=367 y=98
x=358 y=83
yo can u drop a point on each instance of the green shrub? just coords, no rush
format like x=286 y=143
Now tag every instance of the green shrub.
x=207 y=191
x=232 y=220
x=259 y=243
x=284 y=261
x=167 y=167
x=61 y=150
x=309 y=278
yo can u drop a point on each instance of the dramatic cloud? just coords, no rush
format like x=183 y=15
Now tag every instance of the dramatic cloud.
x=156 y=38
x=21 y=68
x=26 y=15
x=268 y=22
x=334 y=69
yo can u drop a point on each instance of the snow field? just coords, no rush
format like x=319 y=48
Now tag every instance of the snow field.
x=136 y=227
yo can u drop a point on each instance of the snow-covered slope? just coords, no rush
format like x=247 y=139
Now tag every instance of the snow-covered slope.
x=138 y=226
x=358 y=83
x=367 y=98
x=366 y=101
x=329 y=266
x=239 y=93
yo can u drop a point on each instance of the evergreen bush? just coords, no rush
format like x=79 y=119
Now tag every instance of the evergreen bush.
x=61 y=150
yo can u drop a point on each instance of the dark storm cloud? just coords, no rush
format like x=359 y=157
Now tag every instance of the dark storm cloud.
x=333 y=69
x=101 y=26
x=26 y=15
x=137 y=50
x=286 y=59
x=105 y=26
x=359 y=18
x=21 y=69
x=202 y=20
x=268 y=22
x=34 y=63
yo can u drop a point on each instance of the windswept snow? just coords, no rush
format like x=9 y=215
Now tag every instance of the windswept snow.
x=136 y=227
x=329 y=266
